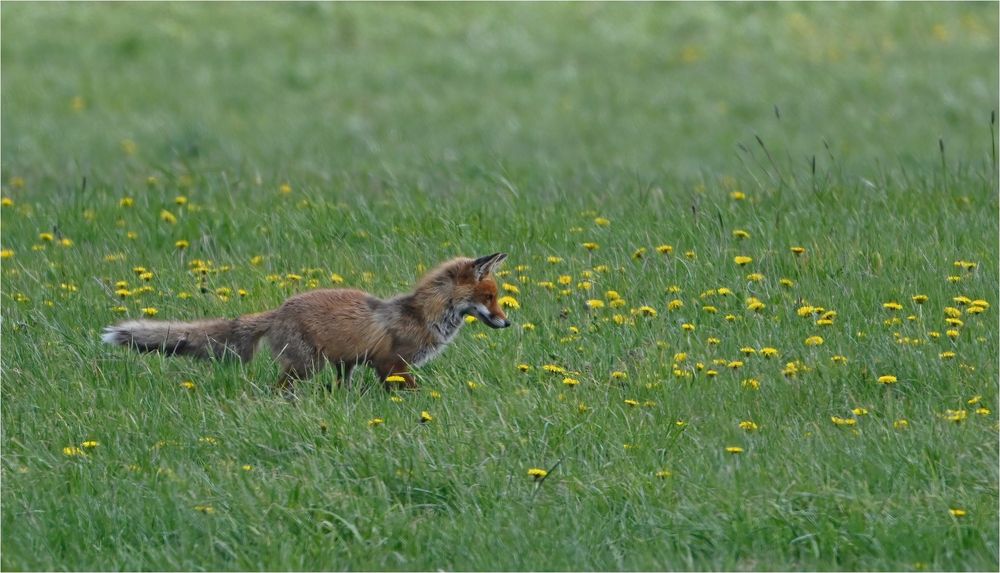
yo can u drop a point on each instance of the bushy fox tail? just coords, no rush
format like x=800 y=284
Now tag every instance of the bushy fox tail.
x=212 y=338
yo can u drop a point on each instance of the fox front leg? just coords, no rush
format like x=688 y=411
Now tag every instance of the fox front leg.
x=396 y=376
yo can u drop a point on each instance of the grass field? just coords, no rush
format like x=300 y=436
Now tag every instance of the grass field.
x=832 y=408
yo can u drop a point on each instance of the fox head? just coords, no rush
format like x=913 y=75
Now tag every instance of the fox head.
x=475 y=290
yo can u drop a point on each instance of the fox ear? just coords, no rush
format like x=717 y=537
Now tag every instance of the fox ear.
x=483 y=266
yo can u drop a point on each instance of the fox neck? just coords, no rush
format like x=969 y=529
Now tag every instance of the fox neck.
x=442 y=317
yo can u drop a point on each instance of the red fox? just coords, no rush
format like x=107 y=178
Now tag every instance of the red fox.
x=343 y=327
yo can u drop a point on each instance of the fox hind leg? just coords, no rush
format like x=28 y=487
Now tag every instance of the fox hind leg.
x=299 y=361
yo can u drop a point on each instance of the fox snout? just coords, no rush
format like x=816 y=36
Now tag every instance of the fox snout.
x=491 y=320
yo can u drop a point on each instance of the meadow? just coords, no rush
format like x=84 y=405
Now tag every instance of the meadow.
x=752 y=269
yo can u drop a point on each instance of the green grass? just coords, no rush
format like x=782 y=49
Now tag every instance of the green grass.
x=415 y=132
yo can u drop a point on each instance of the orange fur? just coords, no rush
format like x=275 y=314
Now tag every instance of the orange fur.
x=342 y=327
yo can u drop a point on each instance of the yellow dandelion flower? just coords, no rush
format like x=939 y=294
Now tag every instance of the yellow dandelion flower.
x=955 y=512
x=786 y=282
x=860 y=411
x=601 y=222
x=751 y=384
x=675 y=304
x=740 y=234
x=150 y=311
x=814 y=341
x=72 y=451
x=843 y=421
x=90 y=444
x=737 y=195
x=664 y=474
x=838 y=359
x=734 y=450
x=509 y=302
x=798 y=250
x=425 y=417
x=748 y=425
x=664 y=249
x=537 y=473
x=207 y=509
x=953 y=334
x=570 y=382
x=182 y=244
x=591 y=246
x=167 y=217
x=742 y=260
x=901 y=424
x=619 y=375
x=647 y=311
x=955 y=415
x=554 y=369
x=187 y=385
x=887 y=379
x=6 y=253
x=376 y=422
x=768 y=352
x=892 y=305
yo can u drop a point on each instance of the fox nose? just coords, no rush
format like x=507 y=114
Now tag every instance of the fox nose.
x=504 y=323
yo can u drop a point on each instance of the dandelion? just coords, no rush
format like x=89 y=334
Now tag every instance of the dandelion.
x=680 y=357
x=955 y=512
x=751 y=384
x=814 y=341
x=150 y=311
x=742 y=260
x=90 y=444
x=591 y=246
x=570 y=382
x=843 y=421
x=182 y=244
x=187 y=385
x=554 y=369
x=748 y=425
x=537 y=473
x=6 y=253
x=948 y=355
x=974 y=400
x=376 y=422
x=72 y=451
x=581 y=407
x=664 y=249
x=619 y=375
x=983 y=411
x=741 y=234
x=860 y=411
x=690 y=255
x=755 y=305
x=901 y=424
x=639 y=253
x=735 y=364
x=734 y=450
x=687 y=326
x=207 y=509
x=167 y=217
x=887 y=379
x=797 y=250
x=956 y=416
x=952 y=334
x=954 y=278
x=647 y=311
x=509 y=302
x=425 y=417
x=601 y=222
x=788 y=283
x=737 y=195
x=675 y=304
x=664 y=474
x=631 y=403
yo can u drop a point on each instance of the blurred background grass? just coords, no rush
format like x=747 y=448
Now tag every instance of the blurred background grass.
x=448 y=93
